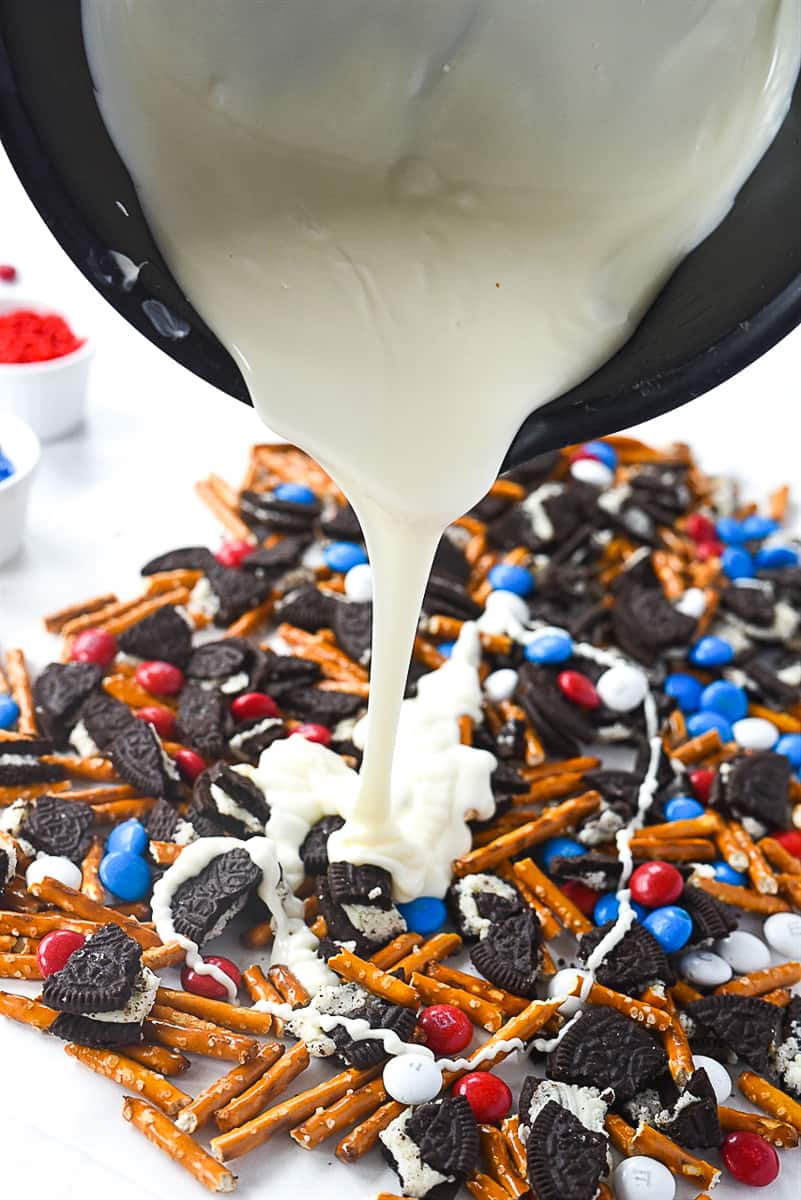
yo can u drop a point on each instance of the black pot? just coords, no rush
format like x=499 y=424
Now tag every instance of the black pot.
x=731 y=300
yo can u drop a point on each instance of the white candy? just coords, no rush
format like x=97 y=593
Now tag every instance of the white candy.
x=313 y=557
x=783 y=932
x=51 y=866
x=500 y=685
x=412 y=1078
x=704 y=968
x=692 y=603
x=755 y=733
x=743 y=952
x=559 y=985
x=718 y=1076
x=622 y=687
x=507 y=604
x=590 y=470
x=359 y=583
x=643 y=1178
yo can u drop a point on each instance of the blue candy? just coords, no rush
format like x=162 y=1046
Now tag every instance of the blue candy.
x=683 y=808
x=789 y=744
x=507 y=577
x=776 y=558
x=671 y=926
x=603 y=452
x=9 y=712
x=342 y=556
x=424 y=915
x=755 y=528
x=446 y=648
x=730 y=530
x=296 y=493
x=563 y=847
x=125 y=875
x=130 y=837
x=608 y=907
x=725 y=698
x=685 y=690
x=550 y=646
x=6 y=467
x=702 y=722
x=711 y=652
x=737 y=563
x=726 y=874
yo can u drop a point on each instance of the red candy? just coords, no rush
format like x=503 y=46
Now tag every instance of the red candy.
x=55 y=948
x=253 y=705
x=701 y=780
x=791 y=840
x=314 y=733
x=190 y=764
x=706 y=550
x=28 y=337
x=233 y=553
x=206 y=985
x=8 y=274
x=94 y=646
x=578 y=689
x=160 y=678
x=487 y=1095
x=749 y=1158
x=162 y=720
x=655 y=884
x=583 y=897
x=701 y=528
x=447 y=1030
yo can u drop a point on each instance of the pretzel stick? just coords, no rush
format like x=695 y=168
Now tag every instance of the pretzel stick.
x=8 y=942
x=759 y=982
x=790 y=887
x=698 y=748
x=178 y=1146
x=20 y=683
x=131 y=1075
x=102 y=795
x=273 y=1082
x=554 y=820
x=550 y=926
x=760 y=874
x=286 y=1115
x=340 y=1115
x=252 y=619
x=78 y=905
x=186 y=1020
x=635 y=1010
x=708 y=823
x=778 y=857
x=441 y=945
x=222 y=1091
x=95 y=767
x=391 y=954
x=511 y=1131
x=679 y=1053
x=156 y=957
x=564 y=766
x=36 y=925
x=229 y=1016
x=15 y=897
x=255 y=938
x=164 y=854
x=484 y=1188
x=90 y=879
x=28 y=791
x=372 y=979
x=27 y=1012
x=98 y=618
x=508 y=1003
x=770 y=1099
x=167 y=581
x=292 y=990
x=497 y=1158
x=55 y=622
x=481 y=1012
x=740 y=897
x=687 y=850
x=548 y=893
x=779 y=1133
x=645 y=1140
x=158 y=1058
x=211 y=1043
x=259 y=988
x=361 y=1139
x=129 y=692
x=730 y=849
x=19 y=966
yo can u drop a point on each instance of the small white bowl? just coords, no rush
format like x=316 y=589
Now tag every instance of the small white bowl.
x=21 y=445
x=50 y=396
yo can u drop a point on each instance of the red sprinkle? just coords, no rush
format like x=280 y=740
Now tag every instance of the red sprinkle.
x=488 y=1096
x=584 y=898
x=160 y=678
x=162 y=720
x=206 y=985
x=445 y=1029
x=578 y=689
x=55 y=948
x=701 y=780
x=314 y=733
x=94 y=646
x=8 y=274
x=232 y=553
x=189 y=763
x=655 y=884
x=750 y=1158
x=29 y=337
x=791 y=840
x=253 y=705
x=701 y=528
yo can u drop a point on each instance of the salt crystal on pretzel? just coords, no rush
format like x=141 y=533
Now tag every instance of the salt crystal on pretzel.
x=571 y=917
x=131 y=1075
x=36 y=925
x=210 y=1043
x=27 y=1012
x=78 y=905
x=770 y=1099
x=164 y=854
x=509 y=1004
x=481 y=1012
x=780 y=1133
x=179 y=1146
x=19 y=966
x=635 y=1010
x=497 y=1158
x=157 y=1058
x=291 y=989
x=553 y=821
x=19 y=682
x=229 y=1016
x=756 y=983
x=373 y=979
x=228 y=1087
x=353 y=1106
x=390 y=955
x=250 y=1104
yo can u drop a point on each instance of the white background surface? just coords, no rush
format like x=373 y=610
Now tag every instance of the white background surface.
x=106 y=500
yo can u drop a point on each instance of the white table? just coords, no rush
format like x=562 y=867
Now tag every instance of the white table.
x=106 y=500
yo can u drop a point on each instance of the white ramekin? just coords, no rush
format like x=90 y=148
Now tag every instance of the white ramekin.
x=49 y=396
x=19 y=442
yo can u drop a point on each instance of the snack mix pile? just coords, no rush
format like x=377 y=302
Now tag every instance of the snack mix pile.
x=640 y=631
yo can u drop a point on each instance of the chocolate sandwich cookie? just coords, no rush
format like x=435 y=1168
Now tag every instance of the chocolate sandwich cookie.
x=379 y=1014
x=310 y=704
x=139 y=759
x=433 y=1148
x=202 y=720
x=231 y=666
x=100 y=720
x=340 y=523
x=163 y=822
x=20 y=764
x=646 y=625
x=308 y=608
x=58 y=694
x=636 y=961
x=562 y=725
x=314 y=848
x=510 y=952
x=58 y=827
x=693 y=1120
x=357 y=905
x=164 y=635
x=476 y=901
x=253 y=737
x=236 y=591
x=566 y=1161
x=8 y=859
x=203 y=905
x=284 y=672
x=230 y=801
x=186 y=558
x=601 y=872
x=353 y=629
x=748 y=1027
x=755 y=786
x=711 y=918
x=604 y=1047
x=273 y=562
x=265 y=513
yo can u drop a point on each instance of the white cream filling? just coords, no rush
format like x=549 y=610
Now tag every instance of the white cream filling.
x=81 y=740
x=229 y=807
x=473 y=885
x=417 y=1177
x=140 y=1002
